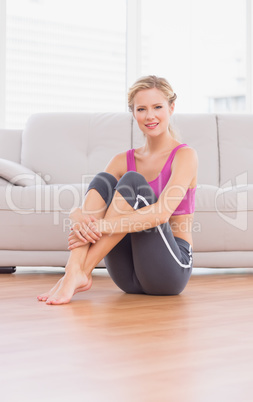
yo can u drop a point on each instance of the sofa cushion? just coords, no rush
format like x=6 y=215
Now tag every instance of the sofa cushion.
x=236 y=150
x=3 y=182
x=18 y=174
x=223 y=218
x=207 y=198
x=49 y=198
x=38 y=218
x=73 y=147
x=224 y=200
x=200 y=133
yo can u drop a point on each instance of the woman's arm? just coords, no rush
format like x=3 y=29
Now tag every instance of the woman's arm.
x=183 y=174
x=117 y=165
x=83 y=220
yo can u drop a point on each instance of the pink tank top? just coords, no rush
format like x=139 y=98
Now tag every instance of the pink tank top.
x=187 y=205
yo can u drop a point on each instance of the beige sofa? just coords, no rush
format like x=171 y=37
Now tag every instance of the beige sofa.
x=45 y=170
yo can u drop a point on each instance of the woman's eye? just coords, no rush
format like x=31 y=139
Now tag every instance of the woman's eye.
x=158 y=107
x=140 y=109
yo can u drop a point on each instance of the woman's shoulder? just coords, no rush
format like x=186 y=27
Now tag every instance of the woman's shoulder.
x=185 y=149
x=117 y=165
x=187 y=154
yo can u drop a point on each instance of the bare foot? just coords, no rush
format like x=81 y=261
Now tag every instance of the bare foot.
x=45 y=296
x=74 y=281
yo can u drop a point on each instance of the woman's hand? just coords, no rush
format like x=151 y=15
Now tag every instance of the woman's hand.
x=74 y=241
x=84 y=227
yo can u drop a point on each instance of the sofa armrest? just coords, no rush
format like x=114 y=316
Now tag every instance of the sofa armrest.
x=10 y=144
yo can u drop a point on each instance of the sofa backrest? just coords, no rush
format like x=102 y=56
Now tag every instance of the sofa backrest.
x=200 y=132
x=65 y=147
x=236 y=149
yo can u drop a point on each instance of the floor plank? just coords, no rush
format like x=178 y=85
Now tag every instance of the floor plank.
x=109 y=346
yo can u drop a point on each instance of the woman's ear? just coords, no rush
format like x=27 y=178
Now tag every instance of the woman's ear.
x=172 y=108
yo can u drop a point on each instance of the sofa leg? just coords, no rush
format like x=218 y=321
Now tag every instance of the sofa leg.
x=7 y=270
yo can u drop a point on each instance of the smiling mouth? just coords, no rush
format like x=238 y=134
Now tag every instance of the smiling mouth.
x=152 y=125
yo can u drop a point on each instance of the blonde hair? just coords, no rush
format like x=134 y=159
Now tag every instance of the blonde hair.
x=149 y=82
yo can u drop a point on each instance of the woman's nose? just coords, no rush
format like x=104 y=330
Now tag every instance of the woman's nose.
x=150 y=114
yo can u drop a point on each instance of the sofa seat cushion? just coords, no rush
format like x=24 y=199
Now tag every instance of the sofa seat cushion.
x=37 y=217
x=227 y=199
x=206 y=198
x=223 y=219
x=64 y=197
x=3 y=182
x=37 y=199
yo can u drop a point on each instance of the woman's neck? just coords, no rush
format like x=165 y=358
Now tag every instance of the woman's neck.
x=158 y=144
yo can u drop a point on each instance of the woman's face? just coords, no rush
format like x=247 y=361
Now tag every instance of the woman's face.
x=152 y=111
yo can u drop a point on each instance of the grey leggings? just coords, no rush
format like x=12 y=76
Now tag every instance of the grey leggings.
x=150 y=262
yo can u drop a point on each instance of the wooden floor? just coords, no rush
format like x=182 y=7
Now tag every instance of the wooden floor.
x=109 y=346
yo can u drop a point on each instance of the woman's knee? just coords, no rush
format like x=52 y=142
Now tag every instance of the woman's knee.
x=104 y=183
x=132 y=186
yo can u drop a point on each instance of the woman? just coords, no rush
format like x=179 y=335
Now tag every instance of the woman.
x=138 y=213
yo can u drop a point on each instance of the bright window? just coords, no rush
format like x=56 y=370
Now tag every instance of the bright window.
x=200 y=47
x=70 y=56
x=64 y=56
